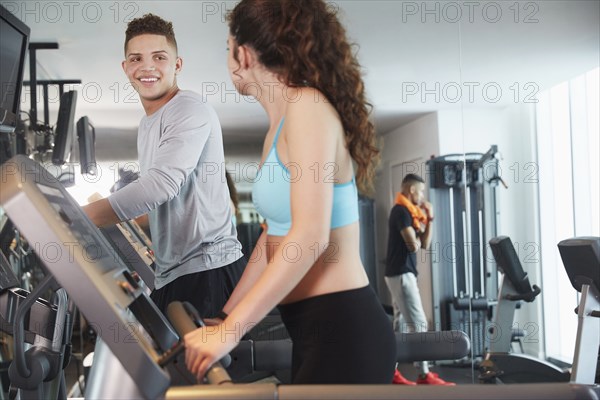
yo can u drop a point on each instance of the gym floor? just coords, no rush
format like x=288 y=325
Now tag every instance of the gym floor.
x=459 y=374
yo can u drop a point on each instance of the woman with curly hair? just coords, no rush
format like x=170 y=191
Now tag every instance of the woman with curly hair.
x=294 y=58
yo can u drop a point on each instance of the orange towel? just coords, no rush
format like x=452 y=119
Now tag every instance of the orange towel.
x=416 y=213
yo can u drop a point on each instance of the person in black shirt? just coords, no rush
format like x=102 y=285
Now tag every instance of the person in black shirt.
x=409 y=230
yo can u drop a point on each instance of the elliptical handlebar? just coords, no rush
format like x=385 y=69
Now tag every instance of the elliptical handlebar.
x=185 y=319
x=528 y=297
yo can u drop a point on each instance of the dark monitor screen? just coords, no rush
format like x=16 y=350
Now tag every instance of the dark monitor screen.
x=508 y=262
x=14 y=38
x=8 y=279
x=87 y=146
x=65 y=126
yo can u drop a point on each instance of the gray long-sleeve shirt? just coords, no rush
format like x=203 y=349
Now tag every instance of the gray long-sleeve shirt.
x=183 y=189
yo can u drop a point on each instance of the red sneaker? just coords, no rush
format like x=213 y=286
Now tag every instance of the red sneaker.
x=401 y=380
x=433 y=379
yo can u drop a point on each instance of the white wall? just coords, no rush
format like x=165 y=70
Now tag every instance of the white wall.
x=520 y=217
x=512 y=130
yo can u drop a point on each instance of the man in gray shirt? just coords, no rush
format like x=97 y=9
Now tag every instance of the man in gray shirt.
x=182 y=186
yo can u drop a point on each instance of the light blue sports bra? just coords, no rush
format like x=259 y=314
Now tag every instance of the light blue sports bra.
x=271 y=195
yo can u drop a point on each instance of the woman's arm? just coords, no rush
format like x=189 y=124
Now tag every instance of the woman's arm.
x=311 y=146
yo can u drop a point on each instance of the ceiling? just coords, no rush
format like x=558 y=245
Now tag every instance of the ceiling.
x=418 y=57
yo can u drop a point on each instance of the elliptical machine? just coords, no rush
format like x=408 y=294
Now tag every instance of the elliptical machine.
x=499 y=364
x=42 y=336
x=581 y=258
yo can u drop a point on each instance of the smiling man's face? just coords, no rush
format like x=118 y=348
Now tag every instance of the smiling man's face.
x=151 y=64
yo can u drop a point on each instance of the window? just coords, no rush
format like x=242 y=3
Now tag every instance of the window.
x=568 y=155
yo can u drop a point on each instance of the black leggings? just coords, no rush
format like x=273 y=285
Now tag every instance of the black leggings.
x=340 y=338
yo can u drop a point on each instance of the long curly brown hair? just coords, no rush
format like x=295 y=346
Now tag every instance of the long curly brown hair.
x=304 y=43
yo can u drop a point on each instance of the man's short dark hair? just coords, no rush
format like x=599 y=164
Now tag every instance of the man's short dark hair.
x=412 y=178
x=150 y=24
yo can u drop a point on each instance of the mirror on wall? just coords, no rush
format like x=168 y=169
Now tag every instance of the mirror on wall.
x=533 y=68
x=505 y=100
